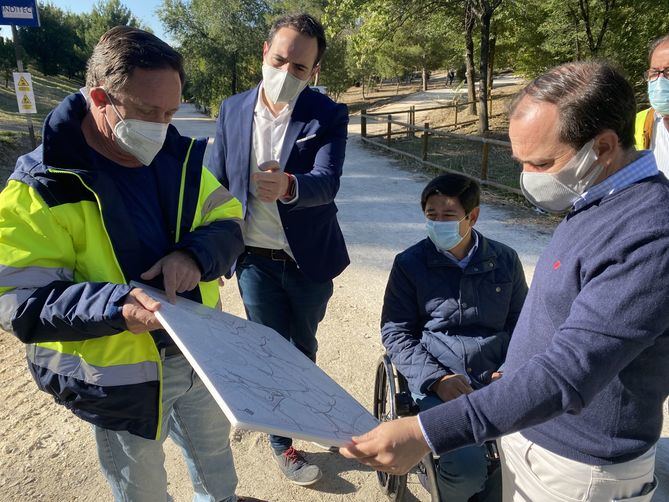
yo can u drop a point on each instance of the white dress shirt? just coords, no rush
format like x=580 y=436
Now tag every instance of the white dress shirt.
x=660 y=145
x=263 y=227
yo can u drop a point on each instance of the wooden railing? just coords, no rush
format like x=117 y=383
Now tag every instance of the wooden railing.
x=410 y=130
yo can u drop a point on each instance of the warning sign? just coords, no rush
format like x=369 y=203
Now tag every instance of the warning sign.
x=26 y=104
x=23 y=84
x=25 y=96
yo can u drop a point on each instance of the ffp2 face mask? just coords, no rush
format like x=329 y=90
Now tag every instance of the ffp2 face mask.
x=281 y=86
x=141 y=139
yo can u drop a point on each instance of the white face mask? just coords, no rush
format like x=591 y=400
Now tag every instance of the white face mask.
x=141 y=139
x=281 y=86
x=557 y=192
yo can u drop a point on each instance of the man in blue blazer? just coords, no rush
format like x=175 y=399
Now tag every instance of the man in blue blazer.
x=280 y=150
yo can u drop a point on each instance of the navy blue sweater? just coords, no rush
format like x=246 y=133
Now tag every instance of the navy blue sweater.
x=587 y=369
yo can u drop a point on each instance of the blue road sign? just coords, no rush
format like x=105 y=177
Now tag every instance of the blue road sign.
x=19 y=12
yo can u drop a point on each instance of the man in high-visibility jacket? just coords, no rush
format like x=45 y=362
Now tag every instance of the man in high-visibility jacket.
x=116 y=194
x=652 y=124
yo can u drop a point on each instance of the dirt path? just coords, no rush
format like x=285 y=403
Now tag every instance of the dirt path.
x=48 y=454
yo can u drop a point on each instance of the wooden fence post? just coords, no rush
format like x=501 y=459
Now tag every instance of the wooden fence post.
x=425 y=136
x=363 y=123
x=456 y=114
x=390 y=127
x=484 y=161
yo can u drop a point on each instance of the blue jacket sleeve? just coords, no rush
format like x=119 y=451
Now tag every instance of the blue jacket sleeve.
x=401 y=330
x=65 y=311
x=320 y=185
x=216 y=162
x=215 y=247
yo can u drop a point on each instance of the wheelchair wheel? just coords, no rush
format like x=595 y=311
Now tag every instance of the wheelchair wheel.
x=428 y=469
x=385 y=408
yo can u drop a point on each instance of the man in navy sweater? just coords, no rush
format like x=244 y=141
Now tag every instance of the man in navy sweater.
x=580 y=402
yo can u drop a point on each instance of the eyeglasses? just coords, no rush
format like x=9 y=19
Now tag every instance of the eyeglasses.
x=654 y=74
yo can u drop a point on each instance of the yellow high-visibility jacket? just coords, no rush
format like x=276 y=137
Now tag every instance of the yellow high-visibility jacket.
x=643 y=129
x=67 y=256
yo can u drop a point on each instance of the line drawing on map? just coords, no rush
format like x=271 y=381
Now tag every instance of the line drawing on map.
x=260 y=380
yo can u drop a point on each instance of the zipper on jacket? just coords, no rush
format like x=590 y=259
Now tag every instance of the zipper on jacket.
x=182 y=188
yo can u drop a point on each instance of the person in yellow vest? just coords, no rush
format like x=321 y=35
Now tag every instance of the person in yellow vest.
x=116 y=194
x=652 y=124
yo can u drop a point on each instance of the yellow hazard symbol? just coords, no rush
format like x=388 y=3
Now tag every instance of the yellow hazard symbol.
x=23 y=84
x=26 y=104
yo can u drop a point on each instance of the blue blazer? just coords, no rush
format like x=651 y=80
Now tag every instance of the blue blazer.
x=310 y=223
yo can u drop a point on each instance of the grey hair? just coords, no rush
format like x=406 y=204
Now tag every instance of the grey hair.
x=121 y=50
x=655 y=44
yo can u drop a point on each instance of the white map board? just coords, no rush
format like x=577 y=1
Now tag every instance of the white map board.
x=260 y=380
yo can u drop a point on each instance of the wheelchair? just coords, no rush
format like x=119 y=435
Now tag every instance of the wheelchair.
x=392 y=400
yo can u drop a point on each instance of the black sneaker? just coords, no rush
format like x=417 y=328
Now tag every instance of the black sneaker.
x=296 y=468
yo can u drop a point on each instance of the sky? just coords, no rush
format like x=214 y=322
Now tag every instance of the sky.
x=143 y=9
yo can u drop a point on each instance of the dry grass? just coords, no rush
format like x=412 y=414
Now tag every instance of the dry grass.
x=49 y=91
x=445 y=119
x=378 y=95
x=14 y=140
x=387 y=92
x=453 y=152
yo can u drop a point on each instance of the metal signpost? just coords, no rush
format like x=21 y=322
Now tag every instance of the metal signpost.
x=21 y=13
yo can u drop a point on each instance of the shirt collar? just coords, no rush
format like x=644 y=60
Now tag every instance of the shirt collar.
x=261 y=107
x=641 y=168
x=465 y=261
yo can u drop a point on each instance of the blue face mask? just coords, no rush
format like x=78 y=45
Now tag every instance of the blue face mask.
x=445 y=234
x=658 y=94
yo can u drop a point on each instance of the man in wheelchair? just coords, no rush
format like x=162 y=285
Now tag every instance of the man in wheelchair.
x=450 y=306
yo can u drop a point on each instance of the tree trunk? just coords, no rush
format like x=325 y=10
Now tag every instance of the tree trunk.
x=483 y=89
x=424 y=76
x=470 y=22
x=491 y=62
x=233 y=77
x=363 y=87
x=595 y=42
x=397 y=87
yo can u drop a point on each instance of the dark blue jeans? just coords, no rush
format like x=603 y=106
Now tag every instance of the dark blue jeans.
x=278 y=295
x=463 y=473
